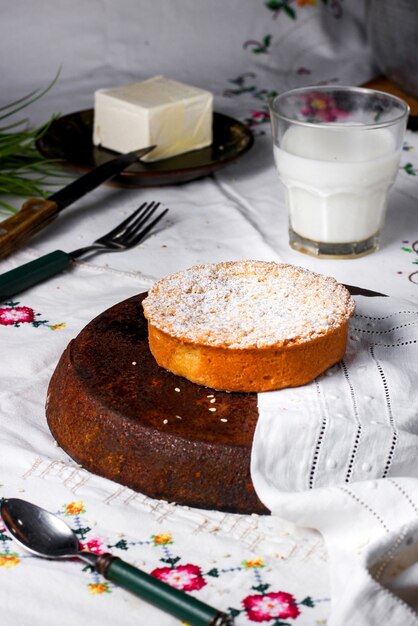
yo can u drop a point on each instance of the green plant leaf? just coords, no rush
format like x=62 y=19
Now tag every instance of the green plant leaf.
x=24 y=172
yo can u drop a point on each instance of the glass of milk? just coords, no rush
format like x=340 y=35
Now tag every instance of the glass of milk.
x=337 y=151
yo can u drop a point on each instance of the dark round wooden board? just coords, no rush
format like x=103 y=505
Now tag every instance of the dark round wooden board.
x=120 y=415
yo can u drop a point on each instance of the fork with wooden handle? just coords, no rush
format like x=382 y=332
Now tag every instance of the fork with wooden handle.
x=126 y=235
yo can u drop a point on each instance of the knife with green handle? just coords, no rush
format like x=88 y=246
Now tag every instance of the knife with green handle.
x=37 y=213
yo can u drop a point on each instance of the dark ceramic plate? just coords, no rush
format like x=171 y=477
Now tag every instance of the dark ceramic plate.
x=69 y=139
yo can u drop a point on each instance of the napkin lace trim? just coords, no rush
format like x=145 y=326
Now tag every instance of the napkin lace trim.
x=405 y=494
x=321 y=436
x=396 y=345
x=389 y=411
x=365 y=506
x=384 y=332
x=359 y=430
x=385 y=317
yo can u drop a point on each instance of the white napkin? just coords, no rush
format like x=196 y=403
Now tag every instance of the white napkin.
x=341 y=455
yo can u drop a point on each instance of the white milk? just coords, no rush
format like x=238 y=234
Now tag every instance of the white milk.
x=337 y=180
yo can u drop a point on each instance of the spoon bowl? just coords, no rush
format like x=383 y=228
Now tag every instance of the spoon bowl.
x=38 y=531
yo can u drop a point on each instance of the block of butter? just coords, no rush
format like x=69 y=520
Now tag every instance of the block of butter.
x=173 y=116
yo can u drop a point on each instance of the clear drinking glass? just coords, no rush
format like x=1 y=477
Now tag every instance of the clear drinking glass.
x=337 y=151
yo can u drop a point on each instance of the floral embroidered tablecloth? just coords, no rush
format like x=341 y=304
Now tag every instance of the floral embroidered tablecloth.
x=261 y=569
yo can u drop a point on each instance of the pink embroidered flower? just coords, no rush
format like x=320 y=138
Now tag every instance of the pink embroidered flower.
x=258 y=117
x=93 y=545
x=321 y=107
x=13 y=315
x=184 y=577
x=270 y=606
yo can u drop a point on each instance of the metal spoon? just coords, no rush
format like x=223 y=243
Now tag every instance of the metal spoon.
x=46 y=535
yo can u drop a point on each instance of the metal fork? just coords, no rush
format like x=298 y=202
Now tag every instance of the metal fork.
x=126 y=235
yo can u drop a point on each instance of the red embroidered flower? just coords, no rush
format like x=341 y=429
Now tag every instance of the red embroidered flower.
x=270 y=606
x=19 y=314
x=185 y=577
x=93 y=545
x=258 y=117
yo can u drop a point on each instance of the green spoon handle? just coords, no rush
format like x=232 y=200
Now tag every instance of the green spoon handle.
x=32 y=273
x=177 y=603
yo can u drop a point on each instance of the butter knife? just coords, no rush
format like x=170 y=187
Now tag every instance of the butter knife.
x=36 y=213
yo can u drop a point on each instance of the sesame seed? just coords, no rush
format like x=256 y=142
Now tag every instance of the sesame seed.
x=210 y=396
x=223 y=419
x=176 y=389
x=133 y=362
x=179 y=417
x=212 y=408
x=213 y=400
x=165 y=421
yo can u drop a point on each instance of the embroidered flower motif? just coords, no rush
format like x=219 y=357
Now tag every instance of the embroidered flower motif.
x=93 y=545
x=410 y=169
x=162 y=539
x=58 y=326
x=258 y=117
x=74 y=508
x=277 y=6
x=12 y=316
x=319 y=107
x=258 y=47
x=98 y=588
x=303 y=71
x=253 y=563
x=9 y=560
x=274 y=605
x=184 y=577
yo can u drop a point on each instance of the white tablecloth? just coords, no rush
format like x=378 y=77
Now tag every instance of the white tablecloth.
x=243 y=52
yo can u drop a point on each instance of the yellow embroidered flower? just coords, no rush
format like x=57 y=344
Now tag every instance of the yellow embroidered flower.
x=98 y=588
x=74 y=508
x=253 y=563
x=9 y=560
x=58 y=326
x=162 y=539
x=319 y=104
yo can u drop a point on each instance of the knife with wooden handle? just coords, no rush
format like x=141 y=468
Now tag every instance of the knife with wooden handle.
x=37 y=213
